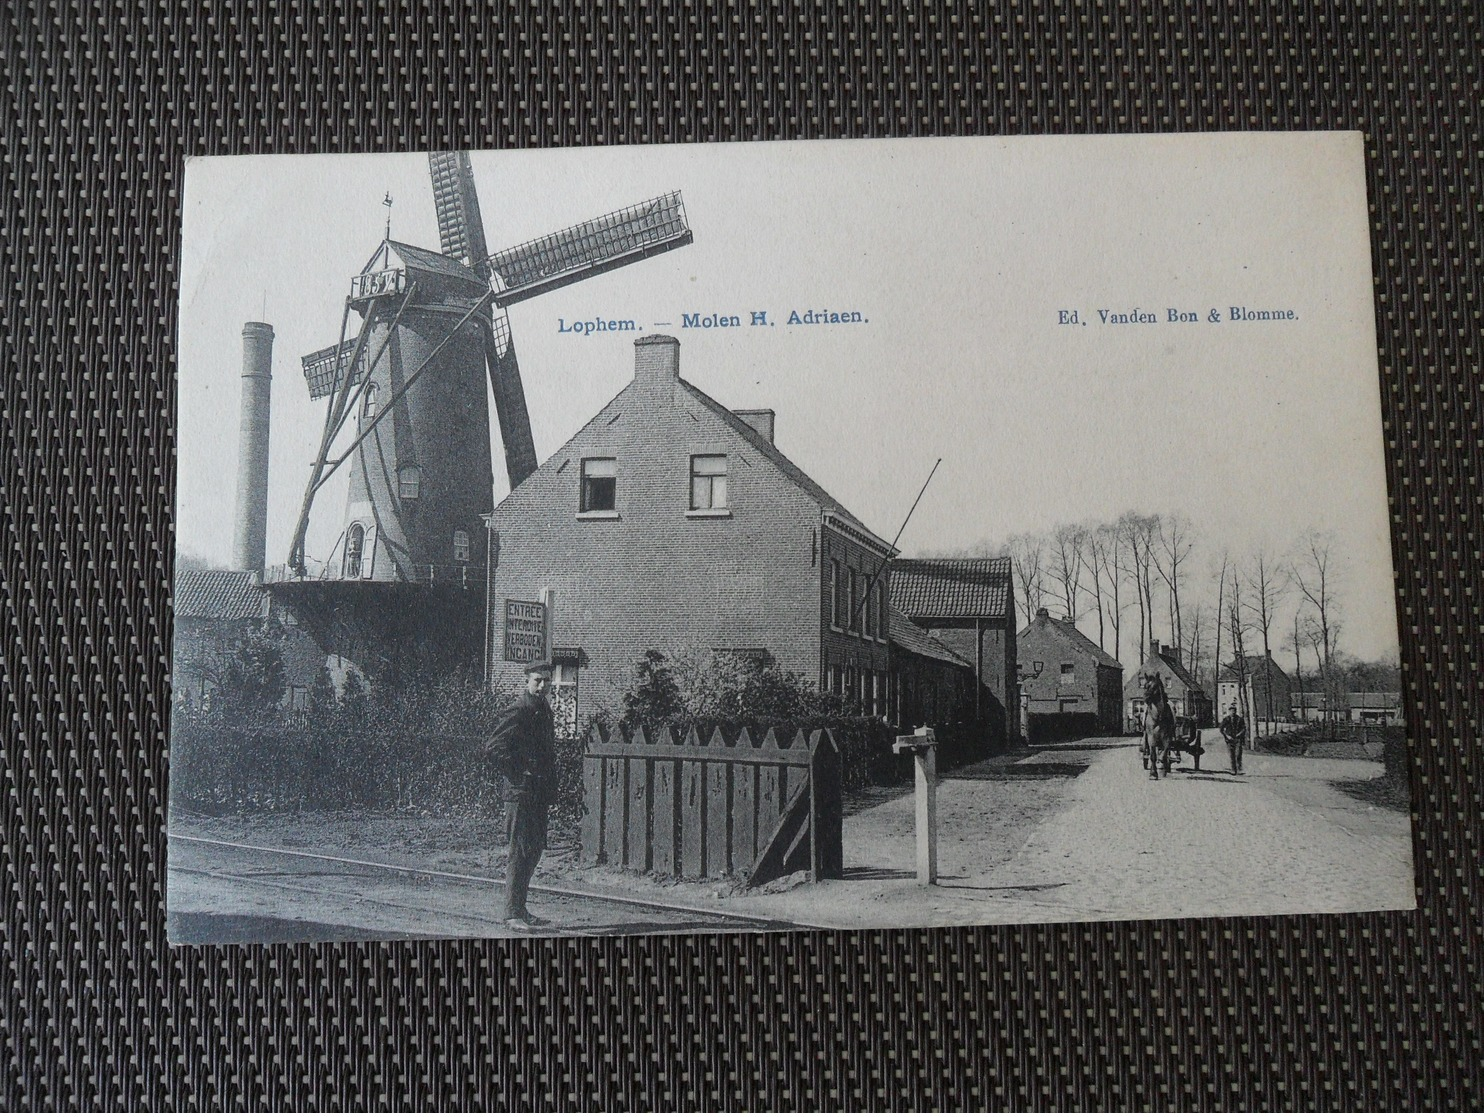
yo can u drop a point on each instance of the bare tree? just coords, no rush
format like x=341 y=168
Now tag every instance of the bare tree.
x=1139 y=536
x=1220 y=620
x=1314 y=573
x=1027 y=555
x=1195 y=650
x=1067 y=557
x=1239 y=653
x=1175 y=542
x=1103 y=548
x=1298 y=667
x=1266 y=588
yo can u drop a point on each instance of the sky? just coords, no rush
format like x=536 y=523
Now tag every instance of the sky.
x=964 y=257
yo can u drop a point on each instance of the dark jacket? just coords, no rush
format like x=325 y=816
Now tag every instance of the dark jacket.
x=1233 y=726
x=523 y=749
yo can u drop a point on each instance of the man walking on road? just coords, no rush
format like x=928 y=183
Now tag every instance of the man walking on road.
x=523 y=750
x=1234 y=729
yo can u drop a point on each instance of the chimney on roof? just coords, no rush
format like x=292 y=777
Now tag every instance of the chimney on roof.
x=657 y=359
x=1154 y=647
x=249 y=544
x=1169 y=652
x=1042 y=613
x=760 y=420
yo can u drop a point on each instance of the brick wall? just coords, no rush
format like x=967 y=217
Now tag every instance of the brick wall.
x=1000 y=697
x=853 y=652
x=653 y=575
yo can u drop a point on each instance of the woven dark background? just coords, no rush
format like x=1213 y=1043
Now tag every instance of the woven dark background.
x=102 y=102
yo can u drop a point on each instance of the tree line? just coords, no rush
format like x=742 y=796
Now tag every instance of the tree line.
x=1143 y=578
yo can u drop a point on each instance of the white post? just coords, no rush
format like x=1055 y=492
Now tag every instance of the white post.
x=923 y=745
x=926 y=764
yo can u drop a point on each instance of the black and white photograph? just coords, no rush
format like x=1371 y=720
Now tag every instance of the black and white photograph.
x=776 y=536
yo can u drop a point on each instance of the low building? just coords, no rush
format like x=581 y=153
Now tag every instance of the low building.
x=216 y=612
x=966 y=604
x=1361 y=707
x=931 y=684
x=667 y=522
x=1069 y=686
x=1187 y=697
x=1269 y=689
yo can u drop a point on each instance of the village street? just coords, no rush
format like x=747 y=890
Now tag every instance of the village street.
x=1025 y=842
x=1068 y=833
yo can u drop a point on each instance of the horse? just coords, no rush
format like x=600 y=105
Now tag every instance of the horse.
x=1159 y=727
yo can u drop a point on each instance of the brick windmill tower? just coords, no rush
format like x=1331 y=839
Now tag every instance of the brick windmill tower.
x=406 y=413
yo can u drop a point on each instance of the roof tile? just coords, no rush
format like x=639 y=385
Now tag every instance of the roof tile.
x=951 y=587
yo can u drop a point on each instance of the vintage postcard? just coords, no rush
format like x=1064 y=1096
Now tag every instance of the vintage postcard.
x=781 y=535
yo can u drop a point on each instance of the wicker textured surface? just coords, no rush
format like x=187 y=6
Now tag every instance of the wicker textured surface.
x=102 y=102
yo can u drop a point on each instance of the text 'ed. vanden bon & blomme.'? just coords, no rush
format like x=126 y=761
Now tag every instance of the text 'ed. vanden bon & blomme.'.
x=1172 y=315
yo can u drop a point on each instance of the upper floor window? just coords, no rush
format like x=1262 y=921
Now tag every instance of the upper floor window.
x=409 y=482
x=1068 y=674
x=852 y=617
x=837 y=588
x=708 y=481
x=368 y=401
x=461 y=546
x=599 y=485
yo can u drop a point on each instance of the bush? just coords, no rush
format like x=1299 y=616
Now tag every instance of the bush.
x=414 y=747
x=718 y=690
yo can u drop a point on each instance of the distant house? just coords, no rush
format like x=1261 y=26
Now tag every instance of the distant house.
x=967 y=605
x=1187 y=697
x=1070 y=686
x=1363 y=707
x=215 y=611
x=1269 y=689
x=931 y=684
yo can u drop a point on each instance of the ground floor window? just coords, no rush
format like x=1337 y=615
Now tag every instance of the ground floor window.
x=562 y=697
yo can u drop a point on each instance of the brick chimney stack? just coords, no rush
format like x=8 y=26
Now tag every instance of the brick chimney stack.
x=760 y=420
x=249 y=544
x=657 y=359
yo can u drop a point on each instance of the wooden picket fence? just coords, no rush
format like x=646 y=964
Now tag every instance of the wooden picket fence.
x=731 y=805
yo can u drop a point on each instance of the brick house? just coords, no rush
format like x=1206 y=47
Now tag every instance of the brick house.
x=215 y=610
x=669 y=521
x=1187 y=697
x=1071 y=687
x=1269 y=689
x=966 y=604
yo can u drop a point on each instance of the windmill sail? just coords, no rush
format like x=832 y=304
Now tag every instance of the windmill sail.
x=602 y=244
x=460 y=226
x=320 y=368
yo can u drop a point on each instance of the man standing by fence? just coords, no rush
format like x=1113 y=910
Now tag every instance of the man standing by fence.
x=1234 y=729
x=523 y=750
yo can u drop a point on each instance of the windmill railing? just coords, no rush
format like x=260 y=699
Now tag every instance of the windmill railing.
x=461 y=575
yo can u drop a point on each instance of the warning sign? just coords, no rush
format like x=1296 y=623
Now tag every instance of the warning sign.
x=525 y=631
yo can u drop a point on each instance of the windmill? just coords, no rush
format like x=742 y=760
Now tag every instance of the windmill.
x=409 y=390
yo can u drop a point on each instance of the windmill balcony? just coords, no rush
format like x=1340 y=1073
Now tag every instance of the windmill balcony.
x=462 y=575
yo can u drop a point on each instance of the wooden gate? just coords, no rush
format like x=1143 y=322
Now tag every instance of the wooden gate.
x=732 y=805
